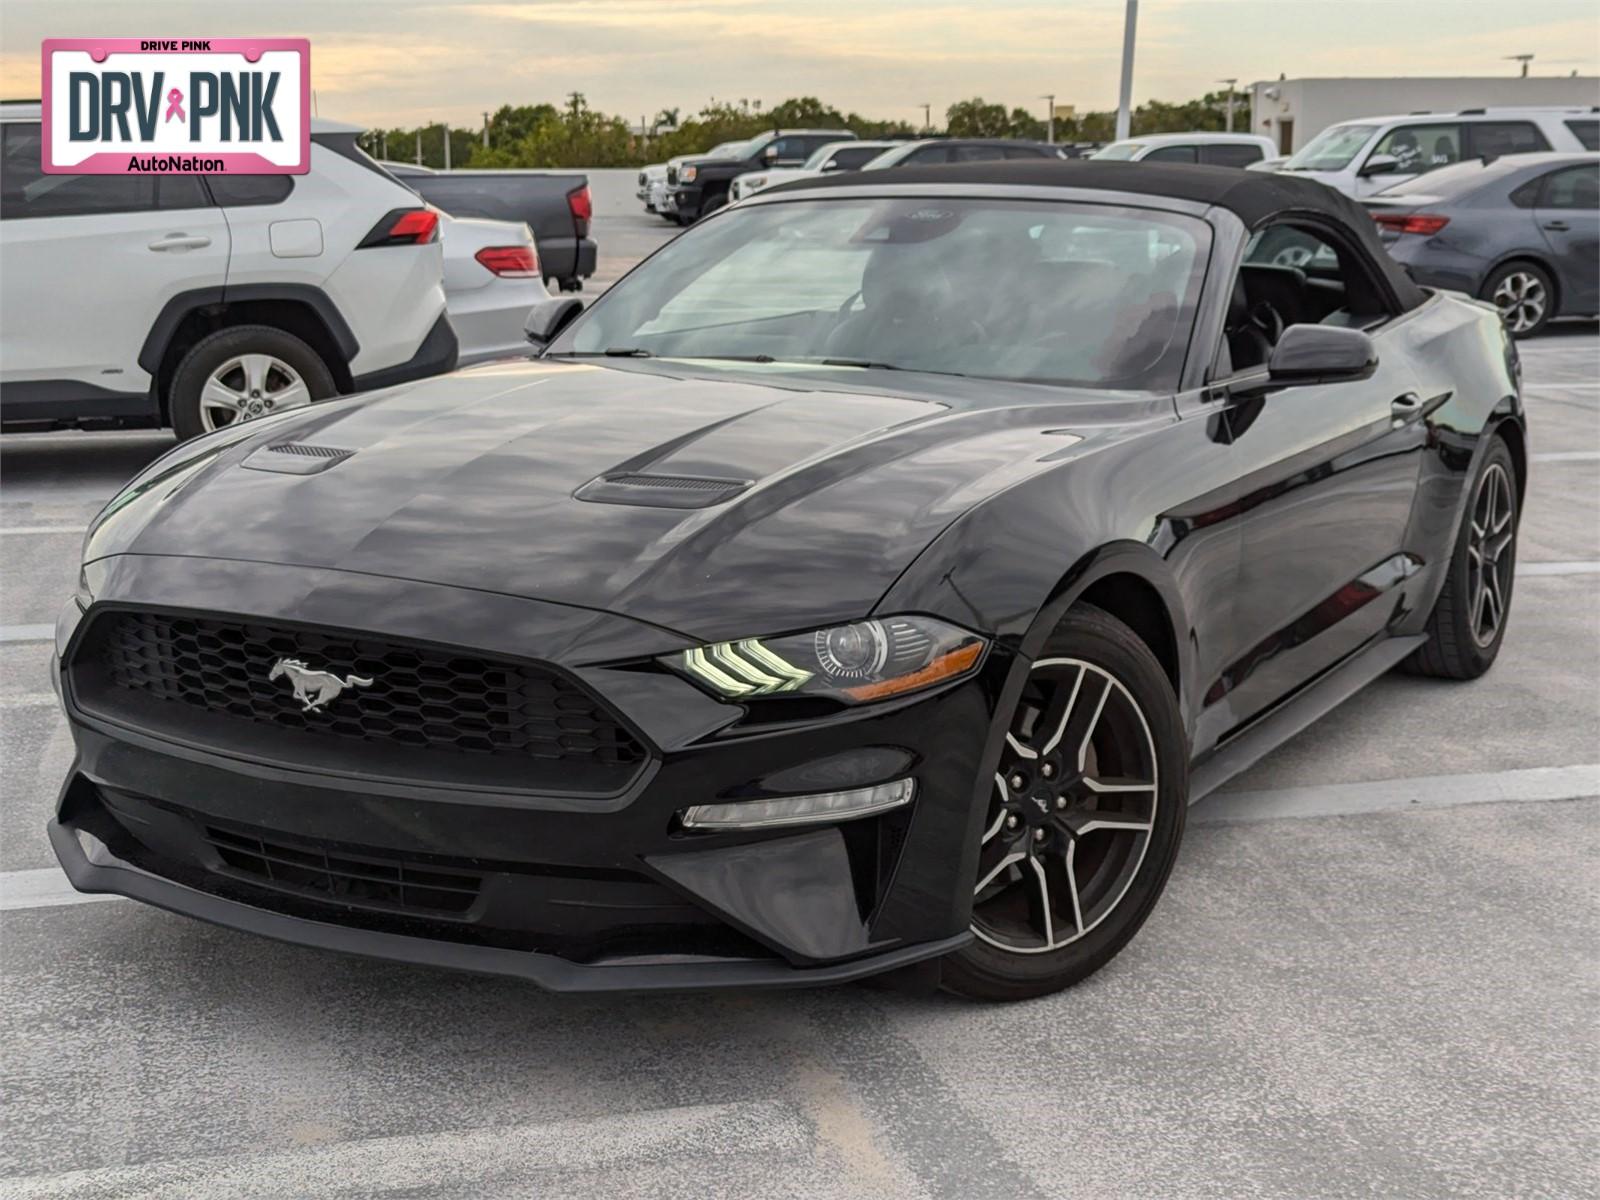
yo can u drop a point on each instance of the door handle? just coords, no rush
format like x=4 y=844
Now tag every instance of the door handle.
x=1558 y=226
x=1405 y=407
x=181 y=241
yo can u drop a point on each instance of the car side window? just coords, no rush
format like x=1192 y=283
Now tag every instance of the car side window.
x=235 y=191
x=1183 y=154
x=1572 y=187
x=1230 y=155
x=929 y=154
x=1024 y=152
x=1587 y=133
x=27 y=192
x=1491 y=139
x=979 y=153
x=852 y=157
x=1296 y=274
x=1419 y=148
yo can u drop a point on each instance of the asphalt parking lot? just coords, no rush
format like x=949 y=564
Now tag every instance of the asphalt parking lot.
x=1374 y=971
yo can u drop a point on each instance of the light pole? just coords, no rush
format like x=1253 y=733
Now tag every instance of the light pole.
x=1050 y=118
x=1230 y=83
x=485 y=131
x=1125 y=100
x=1524 y=59
x=927 y=118
x=446 y=128
x=419 y=147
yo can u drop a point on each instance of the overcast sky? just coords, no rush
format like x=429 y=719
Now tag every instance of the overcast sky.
x=401 y=62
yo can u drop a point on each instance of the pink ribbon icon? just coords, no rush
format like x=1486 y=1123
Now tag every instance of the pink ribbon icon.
x=175 y=105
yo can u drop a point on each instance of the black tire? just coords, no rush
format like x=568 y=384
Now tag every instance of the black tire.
x=1517 y=276
x=983 y=970
x=1457 y=647
x=720 y=200
x=215 y=350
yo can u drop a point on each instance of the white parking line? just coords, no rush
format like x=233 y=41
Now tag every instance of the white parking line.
x=1567 y=456
x=27 y=700
x=1557 y=568
x=461 y=1162
x=25 y=530
x=27 y=633
x=43 y=887
x=1400 y=795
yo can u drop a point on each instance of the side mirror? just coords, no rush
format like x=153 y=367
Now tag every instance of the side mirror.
x=1321 y=354
x=829 y=167
x=549 y=317
x=1381 y=164
x=770 y=155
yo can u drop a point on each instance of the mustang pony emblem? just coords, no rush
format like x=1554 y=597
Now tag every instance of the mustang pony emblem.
x=314 y=689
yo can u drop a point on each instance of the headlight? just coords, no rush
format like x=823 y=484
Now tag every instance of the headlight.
x=760 y=181
x=856 y=663
x=687 y=174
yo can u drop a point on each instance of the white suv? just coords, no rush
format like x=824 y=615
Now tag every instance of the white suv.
x=1212 y=149
x=198 y=301
x=1366 y=156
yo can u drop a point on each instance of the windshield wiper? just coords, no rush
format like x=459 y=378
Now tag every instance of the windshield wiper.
x=608 y=352
x=869 y=365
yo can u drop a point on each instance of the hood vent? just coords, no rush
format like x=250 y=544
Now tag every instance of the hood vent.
x=295 y=458
x=660 y=491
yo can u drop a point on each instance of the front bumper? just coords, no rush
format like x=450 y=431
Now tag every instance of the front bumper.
x=574 y=893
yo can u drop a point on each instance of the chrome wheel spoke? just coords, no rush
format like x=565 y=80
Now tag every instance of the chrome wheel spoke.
x=1045 y=917
x=219 y=395
x=1072 y=888
x=256 y=367
x=1014 y=856
x=1094 y=721
x=1089 y=821
x=296 y=395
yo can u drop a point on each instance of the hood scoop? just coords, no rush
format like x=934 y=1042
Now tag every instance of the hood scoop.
x=660 y=491
x=295 y=458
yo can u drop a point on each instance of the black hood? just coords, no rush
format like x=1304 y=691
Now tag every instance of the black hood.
x=698 y=504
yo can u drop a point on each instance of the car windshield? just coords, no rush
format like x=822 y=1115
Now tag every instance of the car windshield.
x=726 y=150
x=1083 y=294
x=1118 y=150
x=814 y=163
x=1332 y=149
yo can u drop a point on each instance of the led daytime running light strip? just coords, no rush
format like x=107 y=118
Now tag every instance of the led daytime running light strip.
x=744 y=668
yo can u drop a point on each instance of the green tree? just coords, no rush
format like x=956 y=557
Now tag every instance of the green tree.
x=974 y=118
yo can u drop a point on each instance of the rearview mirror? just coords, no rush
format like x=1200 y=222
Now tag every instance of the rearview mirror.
x=549 y=317
x=1381 y=164
x=1321 y=354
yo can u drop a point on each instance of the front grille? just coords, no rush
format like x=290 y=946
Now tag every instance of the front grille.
x=405 y=709
x=367 y=880
x=672 y=174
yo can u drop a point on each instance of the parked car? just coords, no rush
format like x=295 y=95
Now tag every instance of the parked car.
x=1213 y=149
x=655 y=172
x=785 y=627
x=661 y=201
x=1362 y=157
x=556 y=206
x=199 y=301
x=834 y=156
x=492 y=281
x=1275 y=163
x=1522 y=232
x=929 y=151
x=700 y=186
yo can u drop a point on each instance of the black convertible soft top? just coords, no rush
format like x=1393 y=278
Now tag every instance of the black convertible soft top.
x=1253 y=196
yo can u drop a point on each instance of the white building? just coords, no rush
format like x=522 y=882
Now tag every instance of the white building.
x=1293 y=111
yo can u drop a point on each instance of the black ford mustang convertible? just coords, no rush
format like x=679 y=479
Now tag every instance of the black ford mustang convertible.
x=871 y=578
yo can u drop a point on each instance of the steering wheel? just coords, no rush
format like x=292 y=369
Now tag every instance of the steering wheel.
x=1267 y=320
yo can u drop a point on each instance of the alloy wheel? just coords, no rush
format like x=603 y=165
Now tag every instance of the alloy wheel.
x=1072 y=813
x=1490 y=556
x=1522 y=300
x=249 y=386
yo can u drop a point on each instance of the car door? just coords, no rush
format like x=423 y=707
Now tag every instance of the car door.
x=90 y=260
x=1330 y=472
x=1568 y=213
x=1406 y=151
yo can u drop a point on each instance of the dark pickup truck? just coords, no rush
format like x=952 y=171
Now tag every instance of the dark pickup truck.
x=556 y=207
x=700 y=186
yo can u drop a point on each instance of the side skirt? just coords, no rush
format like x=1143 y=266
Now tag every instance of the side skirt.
x=1279 y=724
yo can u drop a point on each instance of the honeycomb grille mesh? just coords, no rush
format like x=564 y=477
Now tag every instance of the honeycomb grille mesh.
x=418 y=697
